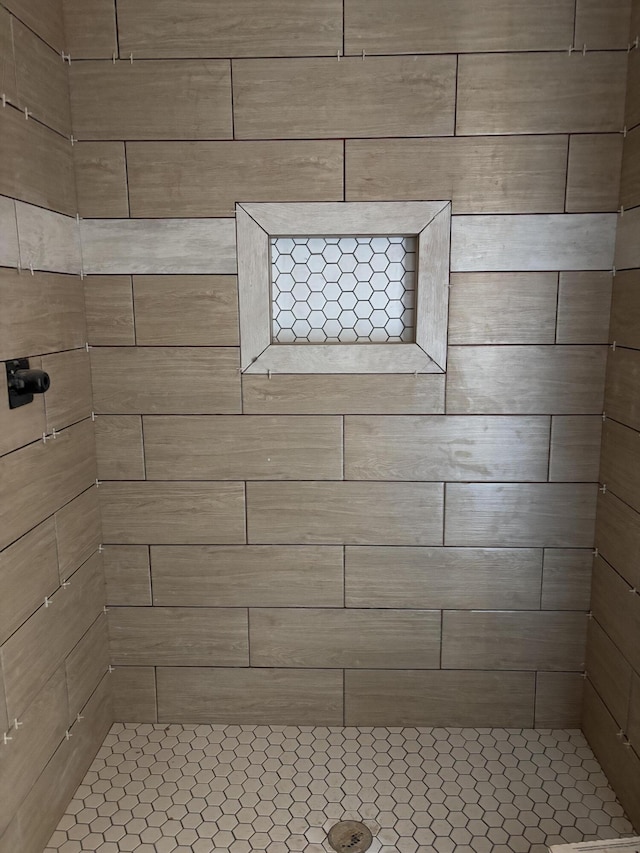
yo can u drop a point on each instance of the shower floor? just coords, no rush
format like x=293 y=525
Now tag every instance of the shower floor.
x=203 y=788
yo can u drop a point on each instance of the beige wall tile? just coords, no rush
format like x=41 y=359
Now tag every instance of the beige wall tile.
x=532 y=640
x=22 y=425
x=602 y=26
x=47 y=20
x=345 y=513
x=540 y=93
x=109 y=309
x=4 y=720
x=620 y=465
x=208 y=178
x=134 y=694
x=69 y=397
x=523 y=515
x=247 y=576
x=119 y=447
x=7 y=61
x=593 y=177
x=630 y=178
x=525 y=379
x=148 y=100
x=78 y=531
x=48 y=240
x=632 y=104
x=172 y=513
x=584 y=301
x=633 y=724
x=90 y=28
x=273 y=98
x=609 y=672
x=617 y=608
x=186 y=310
x=625 y=309
x=575 y=448
x=174 y=636
x=165 y=380
x=414 y=698
x=101 y=177
x=9 y=251
x=618 y=536
x=627 y=253
x=446 y=578
x=566 y=579
x=250 y=696
x=558 y=700
x=621 y=401
x=86 y=665
x=342 y=638
x=446 y=448
x=127 y=574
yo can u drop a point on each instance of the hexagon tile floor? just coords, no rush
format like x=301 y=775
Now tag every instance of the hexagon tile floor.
x=174 y=789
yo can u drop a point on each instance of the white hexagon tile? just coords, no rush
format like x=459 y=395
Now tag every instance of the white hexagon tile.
x=343 y=289
x=198 y=789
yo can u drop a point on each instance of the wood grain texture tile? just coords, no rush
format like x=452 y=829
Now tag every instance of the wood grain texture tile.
x=78 y=531
x=443 y=578
x=46 y=19
x=593 y=177
x=109 y=310
x=558 y=700
x=524 y=640
x=42 y=78
x=602 y=27
x=617 y=608
x=566 y=579
x=620 y=465
x=345 y=513
x=502 y=308
x=446 y=448
x=625 y=309
x=174 y=636
x=36 y=164
x=155 y=29
x=414 y=698
x=532 y=242
x=510 y=174
x=134 y=694
x=621 y=400
x=86 y=664
x=290 y=395
x=165 y=380
x=247 y=576
x=208 y=178
x=28 y=573
x=243 y=448
x=22 y=425
x=179 y=310
x=356 y=639
x=148 y=100
x=101 y=179
x=4 y=720
x=575 y=448
x=540 y=93
x=608 y=671
x=119 y=447
x=630 y=177
x=632 y=104
x=48 y=241
x=618 y=536
x=42 y=313
x=250 y=696
x=69 y=397
x=172 y=513
x=272 y=98
x=633 y=724
x=127 y=574
x=7 y=59
x=627 y=253
x=518 y=515
x=526 y=379
x=584 y=302
x=90 y=28
x=9 y=251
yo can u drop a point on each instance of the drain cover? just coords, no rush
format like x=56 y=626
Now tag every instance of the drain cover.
x=350 y=836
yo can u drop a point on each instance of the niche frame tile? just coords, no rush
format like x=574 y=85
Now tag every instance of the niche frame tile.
x=428 y=221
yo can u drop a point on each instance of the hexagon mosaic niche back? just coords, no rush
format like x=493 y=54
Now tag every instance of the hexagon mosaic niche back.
x=343 y=289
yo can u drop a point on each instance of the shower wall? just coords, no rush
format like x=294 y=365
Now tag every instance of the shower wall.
x=361 y=549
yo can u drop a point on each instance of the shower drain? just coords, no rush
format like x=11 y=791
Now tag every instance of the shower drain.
x=350 y=836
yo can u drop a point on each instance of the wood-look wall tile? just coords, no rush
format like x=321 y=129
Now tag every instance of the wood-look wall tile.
x=28 y=574
x=41 y=477
x=318 y=395
x=276 y=98
x=250 y=696
x=78 y=531
x=90 y=28
x=159 y=29
x=109 y=309
x=9 y=251
x=36 y=164
x=575 y=448
x=558 y=700
x=630 y=177
x=243 y=447
x=593 y=176
x=620 y=465
x=625 y=309
x=616 y=606
x=41 y=313
x=127 y=574
x=345 y=513
x=443 y=578
x=208 y=178
x=134 y=694
x=165 y=380
x=446 y=447
x=188 y=99
x=584 y=302
x=632 y=105
x=525 y=379
x=172 y=513
x=540 y=93
x=414 y=698
x=119 y=448
x=627 y=254
x=503 y=308
x=4 y=720
x=510 y=174
x=22 y=425
x=520 y=515
x=633 y=722
x=523 y=640
x=602 y=26
x=356 y=639
x=566 y=579
x=7 y=59
x=45 y=19
x=86 y=664
x=618 y=536
x=69 y=397
x=48 y=241
x=608 y=671
x=186 y=310
x=178 y=636
x=101 y=179
x=247 y=576
x=621 y=400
